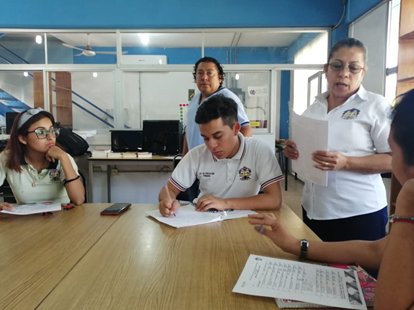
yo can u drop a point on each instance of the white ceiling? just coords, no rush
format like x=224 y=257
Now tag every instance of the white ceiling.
x=273 y=38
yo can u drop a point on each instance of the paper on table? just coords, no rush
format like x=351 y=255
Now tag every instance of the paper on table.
x=309 y=135
x=188 y=216
x=319 y=284
x=33 y=208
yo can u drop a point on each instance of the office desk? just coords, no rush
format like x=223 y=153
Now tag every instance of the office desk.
x=154 y=164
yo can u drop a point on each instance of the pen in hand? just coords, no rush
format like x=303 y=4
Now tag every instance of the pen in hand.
x=169 y=198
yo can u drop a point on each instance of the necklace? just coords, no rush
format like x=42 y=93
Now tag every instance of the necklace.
x=35 y=175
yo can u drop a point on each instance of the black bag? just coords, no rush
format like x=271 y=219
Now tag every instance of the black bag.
x=71 y=142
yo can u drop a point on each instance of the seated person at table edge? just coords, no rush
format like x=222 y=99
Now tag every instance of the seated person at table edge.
x=393 y=254
x=232 y=169
x=35 y=167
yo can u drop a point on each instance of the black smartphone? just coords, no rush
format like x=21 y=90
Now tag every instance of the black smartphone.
x=116 y=208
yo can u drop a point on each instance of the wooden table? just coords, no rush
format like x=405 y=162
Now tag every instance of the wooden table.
x=38 y=251
x=78 y=259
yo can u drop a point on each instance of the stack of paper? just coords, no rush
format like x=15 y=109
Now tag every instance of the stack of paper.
x=131 y=155
x=144 y=155
x=114 y=155
x=100 y=153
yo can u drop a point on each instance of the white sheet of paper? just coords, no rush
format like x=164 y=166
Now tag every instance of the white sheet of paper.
x=188 y=216
x=309 y=135
x=34 y=208
x=279 y=278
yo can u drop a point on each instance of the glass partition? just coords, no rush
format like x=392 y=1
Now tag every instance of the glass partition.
x=78 y=76
x=16 y=92
x=81 y=48
x=22 y=48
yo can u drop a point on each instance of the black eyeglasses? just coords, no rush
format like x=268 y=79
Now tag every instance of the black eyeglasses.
x=339 y=66
x=42 y=133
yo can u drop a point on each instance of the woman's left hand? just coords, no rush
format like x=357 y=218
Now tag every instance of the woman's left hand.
x=326 y=160
x=55 y=153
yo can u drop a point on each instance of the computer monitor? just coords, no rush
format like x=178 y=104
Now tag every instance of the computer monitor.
x=162 y=137
x=10 y=116
x=127 y=140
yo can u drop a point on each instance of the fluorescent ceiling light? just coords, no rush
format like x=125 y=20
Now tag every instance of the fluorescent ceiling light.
x=38 y=39
x=144 y=37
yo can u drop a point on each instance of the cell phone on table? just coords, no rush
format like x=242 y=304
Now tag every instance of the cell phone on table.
x=116 y=208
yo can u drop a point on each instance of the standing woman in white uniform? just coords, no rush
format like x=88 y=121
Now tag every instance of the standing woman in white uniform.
x=209 y=76
x=35 y=167
x=354 y=204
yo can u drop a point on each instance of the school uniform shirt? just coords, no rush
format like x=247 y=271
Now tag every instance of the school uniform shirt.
x=192 y=130
x=358 y=127
x=252 y=168
x=30 y=186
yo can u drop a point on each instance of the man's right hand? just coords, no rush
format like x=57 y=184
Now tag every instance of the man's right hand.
x=290 y=150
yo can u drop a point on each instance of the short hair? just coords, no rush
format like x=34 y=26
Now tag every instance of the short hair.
x=349 y=43
x=402 y=125
x=213 y=60
x=217 y=106
x=14 y=148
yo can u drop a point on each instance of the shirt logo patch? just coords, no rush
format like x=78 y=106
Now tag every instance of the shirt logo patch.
x=54 y=174
x=245 y=173
x=351 y=114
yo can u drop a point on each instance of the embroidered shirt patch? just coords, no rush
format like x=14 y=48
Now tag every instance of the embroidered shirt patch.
x=54 y=175
x=350 y=114
x=245 y=173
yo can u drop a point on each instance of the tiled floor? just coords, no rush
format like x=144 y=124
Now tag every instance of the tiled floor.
x=293 y=196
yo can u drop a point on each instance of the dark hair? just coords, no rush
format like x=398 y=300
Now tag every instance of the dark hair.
x=217 y=106
x=349 y=43
x=402 y=125
x=213 y=60
x=14 y=148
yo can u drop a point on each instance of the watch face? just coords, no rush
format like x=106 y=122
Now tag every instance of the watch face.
x=304 y=244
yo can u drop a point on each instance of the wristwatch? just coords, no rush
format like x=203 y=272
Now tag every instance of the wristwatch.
x=304 y=245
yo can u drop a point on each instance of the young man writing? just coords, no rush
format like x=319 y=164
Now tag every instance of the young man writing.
x=231 y=169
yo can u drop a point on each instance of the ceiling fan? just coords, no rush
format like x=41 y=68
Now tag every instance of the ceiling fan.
x=87 y=50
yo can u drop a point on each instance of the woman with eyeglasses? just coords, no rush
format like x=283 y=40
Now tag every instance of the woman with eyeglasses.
x=354 y=204
x=36 y=169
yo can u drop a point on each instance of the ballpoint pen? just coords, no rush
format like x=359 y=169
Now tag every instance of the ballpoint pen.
x=169 y=197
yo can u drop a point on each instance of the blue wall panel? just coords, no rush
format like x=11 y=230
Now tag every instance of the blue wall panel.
x=169 y=14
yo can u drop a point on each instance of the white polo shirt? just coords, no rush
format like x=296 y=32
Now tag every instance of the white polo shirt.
x=252 y=168
x=30 y=186
x=192 y=134
x=358 y=127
